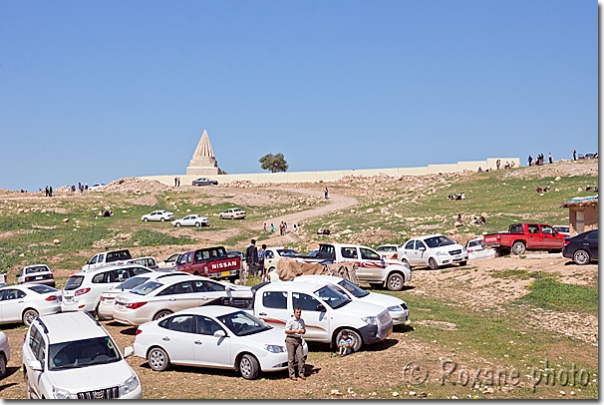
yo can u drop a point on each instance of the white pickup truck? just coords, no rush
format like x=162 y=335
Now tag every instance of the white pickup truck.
x=326 y=312
x=371 y=267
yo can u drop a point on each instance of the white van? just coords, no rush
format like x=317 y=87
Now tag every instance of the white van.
x=326 y=311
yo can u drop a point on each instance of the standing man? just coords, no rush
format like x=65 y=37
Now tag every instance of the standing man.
x=251 y=256
x=261 y=261
x=574 y=154
x=551 y=160
x=326 y=193
x=294 y=329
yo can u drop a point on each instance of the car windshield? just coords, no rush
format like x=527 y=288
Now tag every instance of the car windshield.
x=131 y=283
x=287 y=252
x=243 y=324
x=37 y=269
x=74 y=282
x=82 y=353
x=146 y=288
x=386 y=249
x=437 y=241
x=353 y=289
x=332 y=297
x=42 y=289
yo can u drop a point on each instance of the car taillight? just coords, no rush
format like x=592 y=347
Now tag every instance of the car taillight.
x=52 y=275
x=102 y=298
x=51 y=298
x=138 y=331
x=82 y=291
x=135 y=305
x=28 y=279
x=394 y=256
x=566 y=242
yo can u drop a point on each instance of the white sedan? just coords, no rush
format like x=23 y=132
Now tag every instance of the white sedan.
x=25 y=302
x=398 y=309
x=155 y=299
x=433 y=251
x=477 y=250
x=160 y=216
x=192 y=220
x=4 y=354
x=232 y=213
x=105 y=309
x=213 y=336
x=272 y=256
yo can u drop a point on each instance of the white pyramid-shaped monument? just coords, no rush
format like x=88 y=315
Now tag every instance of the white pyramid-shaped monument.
x=203 y=161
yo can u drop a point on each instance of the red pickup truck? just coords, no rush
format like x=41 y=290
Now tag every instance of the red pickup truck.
x=210 y=262
x=526 y=236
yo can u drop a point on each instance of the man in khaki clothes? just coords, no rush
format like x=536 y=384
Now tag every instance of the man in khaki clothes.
x=294 y=329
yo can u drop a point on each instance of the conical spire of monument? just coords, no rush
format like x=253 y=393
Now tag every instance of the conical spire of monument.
x=204 y=148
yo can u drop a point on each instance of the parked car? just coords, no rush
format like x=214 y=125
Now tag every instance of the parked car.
x=155 y=299
x=192 y=220
x=398 y=309
x=146 y=261
x=525 y=236
x=232 y=213
x=478 y=250
x=170 y=262
x=433 y=251
x=4 y=354
x=204 y=181
x=96 y=186
x=562 y=229
x=217 y=337
x=582 y=248
x=389 y=251
x=158 y=216
x=24 y=303
x=272 y=255
x=36 y=274
x=112 y=257
x=212 y=262
x=71 y=356
x=83 y=290
x=107 y=300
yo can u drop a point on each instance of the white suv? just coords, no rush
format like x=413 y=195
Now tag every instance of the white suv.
x=71 y=356
x=83 y=290
x=107 y=258
x=433 y=251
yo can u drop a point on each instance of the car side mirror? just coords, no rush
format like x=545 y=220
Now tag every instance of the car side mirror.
x=128 y=351
x=421 y=249
x=219 y=333
x=87 y=262
x=321 y=308
x=35 y=365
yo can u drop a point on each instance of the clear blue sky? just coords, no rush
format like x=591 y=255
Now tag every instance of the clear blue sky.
x=93 y=91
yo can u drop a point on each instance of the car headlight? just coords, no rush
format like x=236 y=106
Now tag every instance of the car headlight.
x=441 y=253
x=274 y=348
x=370 y=320
x=58 y=393
x=130 y=385
x=395 y=308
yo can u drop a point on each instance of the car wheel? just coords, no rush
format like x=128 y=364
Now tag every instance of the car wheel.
x=581 y=257
x=357 y=340
x=518 y=248
x=29 y=316
x=220 y=216
x=158 y=359
x=232 y=217
x=432 y=264
x=163 y=220
x=146 y=220
x=248 y=367
x=197 y=224
x=177 y=224
x=395 y=282
x=463 y=263
x=2 y=366
x=161 y=314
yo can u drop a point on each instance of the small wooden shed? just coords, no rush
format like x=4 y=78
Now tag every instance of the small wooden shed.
x=582 y=214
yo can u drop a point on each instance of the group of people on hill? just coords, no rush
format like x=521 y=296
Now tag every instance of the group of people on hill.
x=460 y=196
x=540 y=160
x=507 y=165
x=282 y=228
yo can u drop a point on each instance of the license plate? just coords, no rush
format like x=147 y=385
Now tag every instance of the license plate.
x=458 y=257
x=68 y=299
x=39 y=278
x=226 y=273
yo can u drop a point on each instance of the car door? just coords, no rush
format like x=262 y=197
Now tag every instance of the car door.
x=211 y=350
x=36 y=350
x=269 y=259
x=534 y=238
x=274 y=308
x=12 y=304
x=178 y=296
x=549 y=240
x=314 y=314
x=409 y=251
x=421 y=253
x=592 y=244
x=176 y=337
x=208 y=290
x=373 y=264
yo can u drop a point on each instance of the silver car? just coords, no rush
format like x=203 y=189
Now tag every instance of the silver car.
x=192 y=220
x=159 y=216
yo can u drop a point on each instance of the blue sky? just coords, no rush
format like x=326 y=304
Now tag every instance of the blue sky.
x=93 y=91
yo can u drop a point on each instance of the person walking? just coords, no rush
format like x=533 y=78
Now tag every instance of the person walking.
x=295 y=327
x=264 y=228
x=272 y=228
x=46 y=191
x=175 y=181
x=326 y=193
x=295 y=229
x=50 y=191
x=551 y=160
x=530 y=160
x=261 y=261
x=251 y=256
x=574 y=154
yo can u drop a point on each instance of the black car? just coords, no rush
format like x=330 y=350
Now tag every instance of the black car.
x=204 y=181
x=582 y=248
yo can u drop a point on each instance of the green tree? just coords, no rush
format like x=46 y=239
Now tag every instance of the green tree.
x=274 y=163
